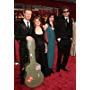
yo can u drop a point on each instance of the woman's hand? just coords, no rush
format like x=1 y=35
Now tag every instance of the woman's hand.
x=45 y=47
x=45 y=26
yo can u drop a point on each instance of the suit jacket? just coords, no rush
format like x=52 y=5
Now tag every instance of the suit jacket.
x=63 y=28
x=21 y=33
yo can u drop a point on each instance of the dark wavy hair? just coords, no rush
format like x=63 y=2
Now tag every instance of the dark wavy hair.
x=49 y=21
x=64 y=7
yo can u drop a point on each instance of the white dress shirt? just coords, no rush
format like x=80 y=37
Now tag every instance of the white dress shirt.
x=67 y=18
x=25 y=21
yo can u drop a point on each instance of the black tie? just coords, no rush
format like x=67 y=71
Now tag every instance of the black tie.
x=27 y=24
x=28 y=29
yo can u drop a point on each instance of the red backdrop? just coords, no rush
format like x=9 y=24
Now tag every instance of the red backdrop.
x=51 y=3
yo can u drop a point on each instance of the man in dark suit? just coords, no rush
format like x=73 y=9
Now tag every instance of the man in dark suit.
x=64 y=38
x=24 y=30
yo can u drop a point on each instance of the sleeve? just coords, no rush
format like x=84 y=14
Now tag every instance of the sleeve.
x=19 y=35
x=57 y=28
x=45 y=37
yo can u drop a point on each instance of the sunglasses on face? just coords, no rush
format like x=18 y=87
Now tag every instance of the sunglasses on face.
x=65 y=11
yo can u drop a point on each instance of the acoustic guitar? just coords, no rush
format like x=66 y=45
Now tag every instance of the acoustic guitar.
x=34 y=77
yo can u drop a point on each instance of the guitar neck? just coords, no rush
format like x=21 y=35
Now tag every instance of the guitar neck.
x=31 y=48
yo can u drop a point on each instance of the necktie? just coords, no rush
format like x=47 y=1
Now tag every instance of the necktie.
x=28 y=29
x=27 y=24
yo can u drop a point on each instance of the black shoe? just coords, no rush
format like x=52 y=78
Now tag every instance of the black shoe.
x=57 y=70
x=50 y=70
x=46 y=72
x=64 y=69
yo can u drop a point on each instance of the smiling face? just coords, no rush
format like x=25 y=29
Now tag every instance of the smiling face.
x=27 y=14
x=37 y=22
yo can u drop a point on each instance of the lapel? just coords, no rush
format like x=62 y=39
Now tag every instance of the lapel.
x=24 y=27
x=64 y=21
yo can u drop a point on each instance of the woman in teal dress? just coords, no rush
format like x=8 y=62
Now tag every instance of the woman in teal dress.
x=50 y=27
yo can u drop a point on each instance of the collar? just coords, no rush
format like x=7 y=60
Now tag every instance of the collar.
x=66 y=17
x=25 y=21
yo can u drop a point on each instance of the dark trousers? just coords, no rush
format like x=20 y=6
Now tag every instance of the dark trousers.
x=24 y=59
x=63 y=52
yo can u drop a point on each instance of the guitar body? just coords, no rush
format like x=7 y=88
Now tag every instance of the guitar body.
x=34 y=77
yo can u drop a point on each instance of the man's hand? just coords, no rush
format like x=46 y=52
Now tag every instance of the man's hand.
x=28 y=38
x=59 y=39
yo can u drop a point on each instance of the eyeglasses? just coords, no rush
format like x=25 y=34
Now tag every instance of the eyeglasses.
x=65 y=11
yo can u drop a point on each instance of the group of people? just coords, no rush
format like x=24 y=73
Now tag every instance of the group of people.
x=46 y=34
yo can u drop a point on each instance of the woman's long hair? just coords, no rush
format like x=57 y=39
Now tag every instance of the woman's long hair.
x=54 y=23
